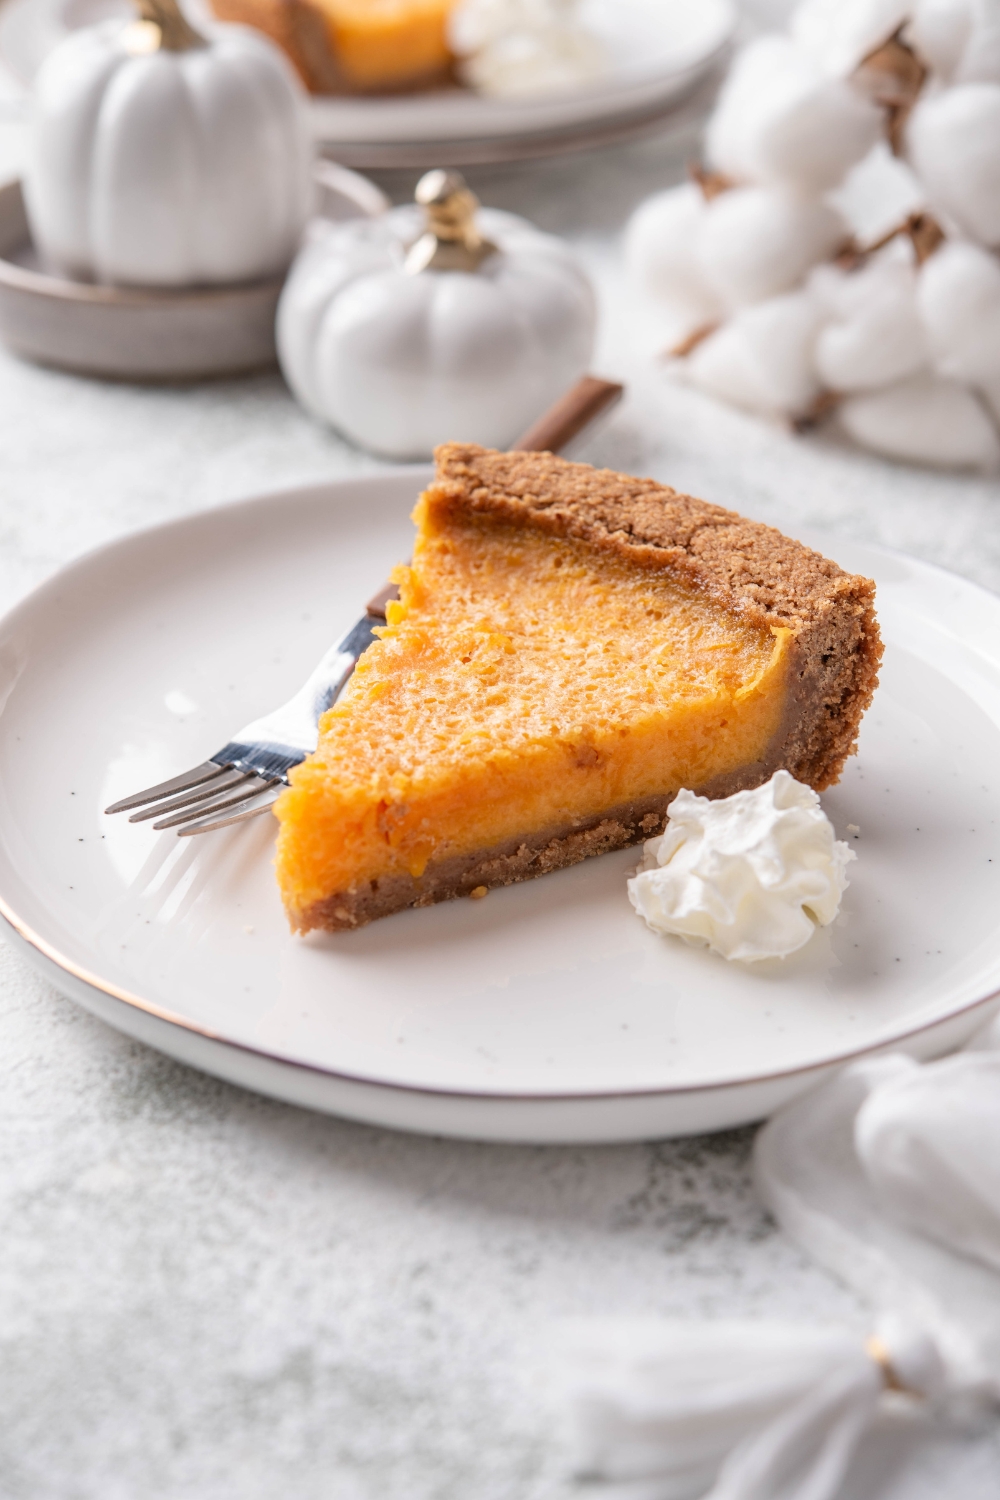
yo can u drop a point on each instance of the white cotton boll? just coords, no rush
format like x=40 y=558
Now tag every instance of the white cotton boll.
x=825 y=285
x=980 y=62
x=878 y=194
x=877 y=335
x=959 y=40
x=837 y=34
x=763 y=358
x=779 y=119
x=959 y=299
x=939 y=32
x=923 y=420
x=756 y=242
x=953 y=143
x=843 y=293
x=661 y=257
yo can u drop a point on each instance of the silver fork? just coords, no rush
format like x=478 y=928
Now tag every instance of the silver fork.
x=244 y=778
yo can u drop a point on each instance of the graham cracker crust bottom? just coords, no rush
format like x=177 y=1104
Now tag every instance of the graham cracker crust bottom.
x=515 y=860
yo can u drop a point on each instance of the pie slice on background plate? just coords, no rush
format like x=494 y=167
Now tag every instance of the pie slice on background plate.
x=571 y=646
x=353 y=46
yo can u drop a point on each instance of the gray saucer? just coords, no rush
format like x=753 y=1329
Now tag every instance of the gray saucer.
x=130 y=333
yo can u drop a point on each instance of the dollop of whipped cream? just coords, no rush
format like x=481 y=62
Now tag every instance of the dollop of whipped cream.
x=511 y=48
x=751 y=875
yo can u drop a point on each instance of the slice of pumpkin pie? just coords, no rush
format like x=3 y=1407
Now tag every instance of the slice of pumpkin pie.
x=570 y=648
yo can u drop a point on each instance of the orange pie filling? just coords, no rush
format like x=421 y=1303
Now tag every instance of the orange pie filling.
x=388 y=43
x=524 y=682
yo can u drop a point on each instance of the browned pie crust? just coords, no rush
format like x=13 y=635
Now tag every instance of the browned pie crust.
x=749 y=568
x=516 y=859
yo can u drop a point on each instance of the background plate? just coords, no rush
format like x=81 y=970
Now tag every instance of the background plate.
x=659 y=50
x=547 y=1011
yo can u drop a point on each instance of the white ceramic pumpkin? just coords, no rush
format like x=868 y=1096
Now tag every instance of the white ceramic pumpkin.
x=163 y=158
x=405 y=331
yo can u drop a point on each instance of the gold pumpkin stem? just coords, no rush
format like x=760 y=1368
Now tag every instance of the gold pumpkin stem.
x=164 y=27
x=877 y=1351
x=451 y=240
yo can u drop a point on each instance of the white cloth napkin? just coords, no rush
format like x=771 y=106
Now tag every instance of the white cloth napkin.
x=889 y=1173
x=731 y=1410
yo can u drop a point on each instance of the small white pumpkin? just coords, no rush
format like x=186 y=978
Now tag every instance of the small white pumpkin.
x=163 y=158
x=427 y=327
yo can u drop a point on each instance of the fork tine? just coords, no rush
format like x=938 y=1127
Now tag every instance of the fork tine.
x=197 y=774
x=192 y=814
x=206 y=790
x=240 y=817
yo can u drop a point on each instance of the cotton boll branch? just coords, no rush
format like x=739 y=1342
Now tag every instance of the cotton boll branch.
x=690 y=341
x=924 y=232
x=892 y=76
x=921 y=229
x=822 y=409
x=711 y=183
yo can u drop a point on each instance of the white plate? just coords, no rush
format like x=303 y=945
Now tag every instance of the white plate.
x=658 y=51
x=547 y=1011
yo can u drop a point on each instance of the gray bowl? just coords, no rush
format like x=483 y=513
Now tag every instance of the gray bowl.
x=130 y=333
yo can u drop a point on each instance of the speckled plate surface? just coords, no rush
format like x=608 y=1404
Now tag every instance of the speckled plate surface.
x=547 y=1011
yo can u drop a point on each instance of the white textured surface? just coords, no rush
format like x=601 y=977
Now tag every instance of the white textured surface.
x=204 y=1294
